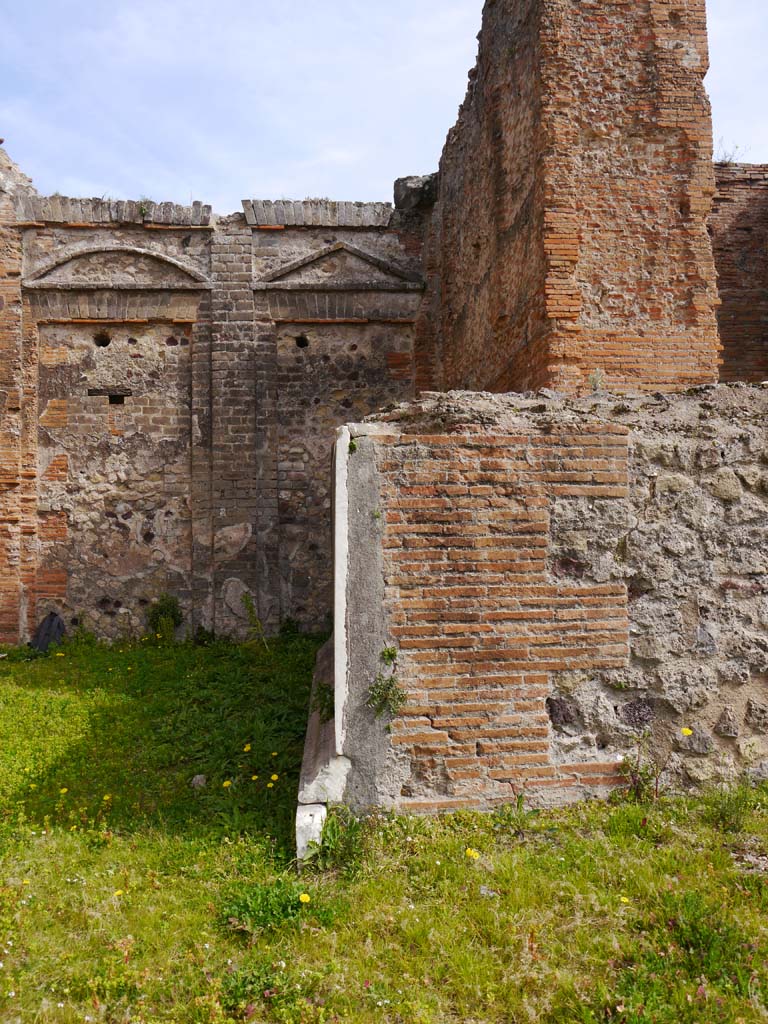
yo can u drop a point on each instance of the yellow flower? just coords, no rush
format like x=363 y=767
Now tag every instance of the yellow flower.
x=118 y=892
x=305 y=898
x=472 y=854
x=63 y=790
x=25 y=882
x=687 y=732
x=270 y=785
x=624 y=899
x=107 y=798
x=254 y=778
x=59 y=654
x=33 y=785
x=274 y=753
x=247 y=748
x=227 y=784
x=275 y=778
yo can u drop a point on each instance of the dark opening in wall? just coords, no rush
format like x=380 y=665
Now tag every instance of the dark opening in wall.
x=302 y=341
x=116 y=396
x=102 y=339
x=171 y=342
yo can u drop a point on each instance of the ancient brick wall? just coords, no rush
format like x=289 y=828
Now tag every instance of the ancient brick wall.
x=739 y=228
x=18 y=514
x=337 y=289
x=557 y=577
x=171 y=386
x=573 y=197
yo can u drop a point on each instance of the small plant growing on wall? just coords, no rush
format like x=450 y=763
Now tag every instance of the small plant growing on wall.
x=324 y=702
x=386 y=696
x=165 y=616
x=255 y=626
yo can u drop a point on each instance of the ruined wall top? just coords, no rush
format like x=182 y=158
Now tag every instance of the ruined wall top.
x=13 y=181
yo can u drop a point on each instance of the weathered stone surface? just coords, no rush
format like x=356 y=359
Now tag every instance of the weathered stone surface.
x=564 y=714
x=699 y=743
x=727 y=724
x=757 y=716
x=726 y=485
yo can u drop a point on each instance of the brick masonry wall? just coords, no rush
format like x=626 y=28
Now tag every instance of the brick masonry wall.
x=739 y=228
x=574 y=192
x=170 y=387
x=338 y=337
x=558 y=576
x=10 y=405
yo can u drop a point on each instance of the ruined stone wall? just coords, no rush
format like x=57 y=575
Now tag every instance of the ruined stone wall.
x=337 y=288
x=15 y=515
x=573 y=197
x=739 y=228
x=558 y=577
x=171 y=383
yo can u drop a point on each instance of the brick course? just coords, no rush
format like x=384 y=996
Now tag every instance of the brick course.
x=739 y=228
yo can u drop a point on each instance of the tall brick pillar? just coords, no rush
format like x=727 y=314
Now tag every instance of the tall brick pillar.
x=12 y=182
x=573 y=201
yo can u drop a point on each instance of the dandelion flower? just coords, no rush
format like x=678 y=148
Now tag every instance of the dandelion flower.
x=118 y=892
x=227 y=784
x=63 y=790
x=687 y=732
x=624 y=899
x=25 y=882
x=270 y=785
x=106 y=798
x=274 y=753
x=305 y=898
x=33 y=785
x=59 y=654
x=247 y=748
x=275 y=778
x=472 y=854
x=254 y=778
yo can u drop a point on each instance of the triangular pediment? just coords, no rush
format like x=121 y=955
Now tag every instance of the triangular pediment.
x=115 y=268
x=341 y=265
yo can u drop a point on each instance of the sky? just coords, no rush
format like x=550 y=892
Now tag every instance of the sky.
x=189 y=99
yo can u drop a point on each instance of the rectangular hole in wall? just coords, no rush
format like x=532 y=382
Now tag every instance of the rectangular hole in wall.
x=116 y=396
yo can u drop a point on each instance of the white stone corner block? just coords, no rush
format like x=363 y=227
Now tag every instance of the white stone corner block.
x=310 y=819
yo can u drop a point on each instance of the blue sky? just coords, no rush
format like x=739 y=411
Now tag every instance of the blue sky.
x=181 y=99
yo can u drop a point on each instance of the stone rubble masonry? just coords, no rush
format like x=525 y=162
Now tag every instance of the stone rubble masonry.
x=170 y=386
x=570 y=232
x=739 y=228
x=558 y=575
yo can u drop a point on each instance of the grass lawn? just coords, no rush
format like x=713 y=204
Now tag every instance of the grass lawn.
x=128 y=894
